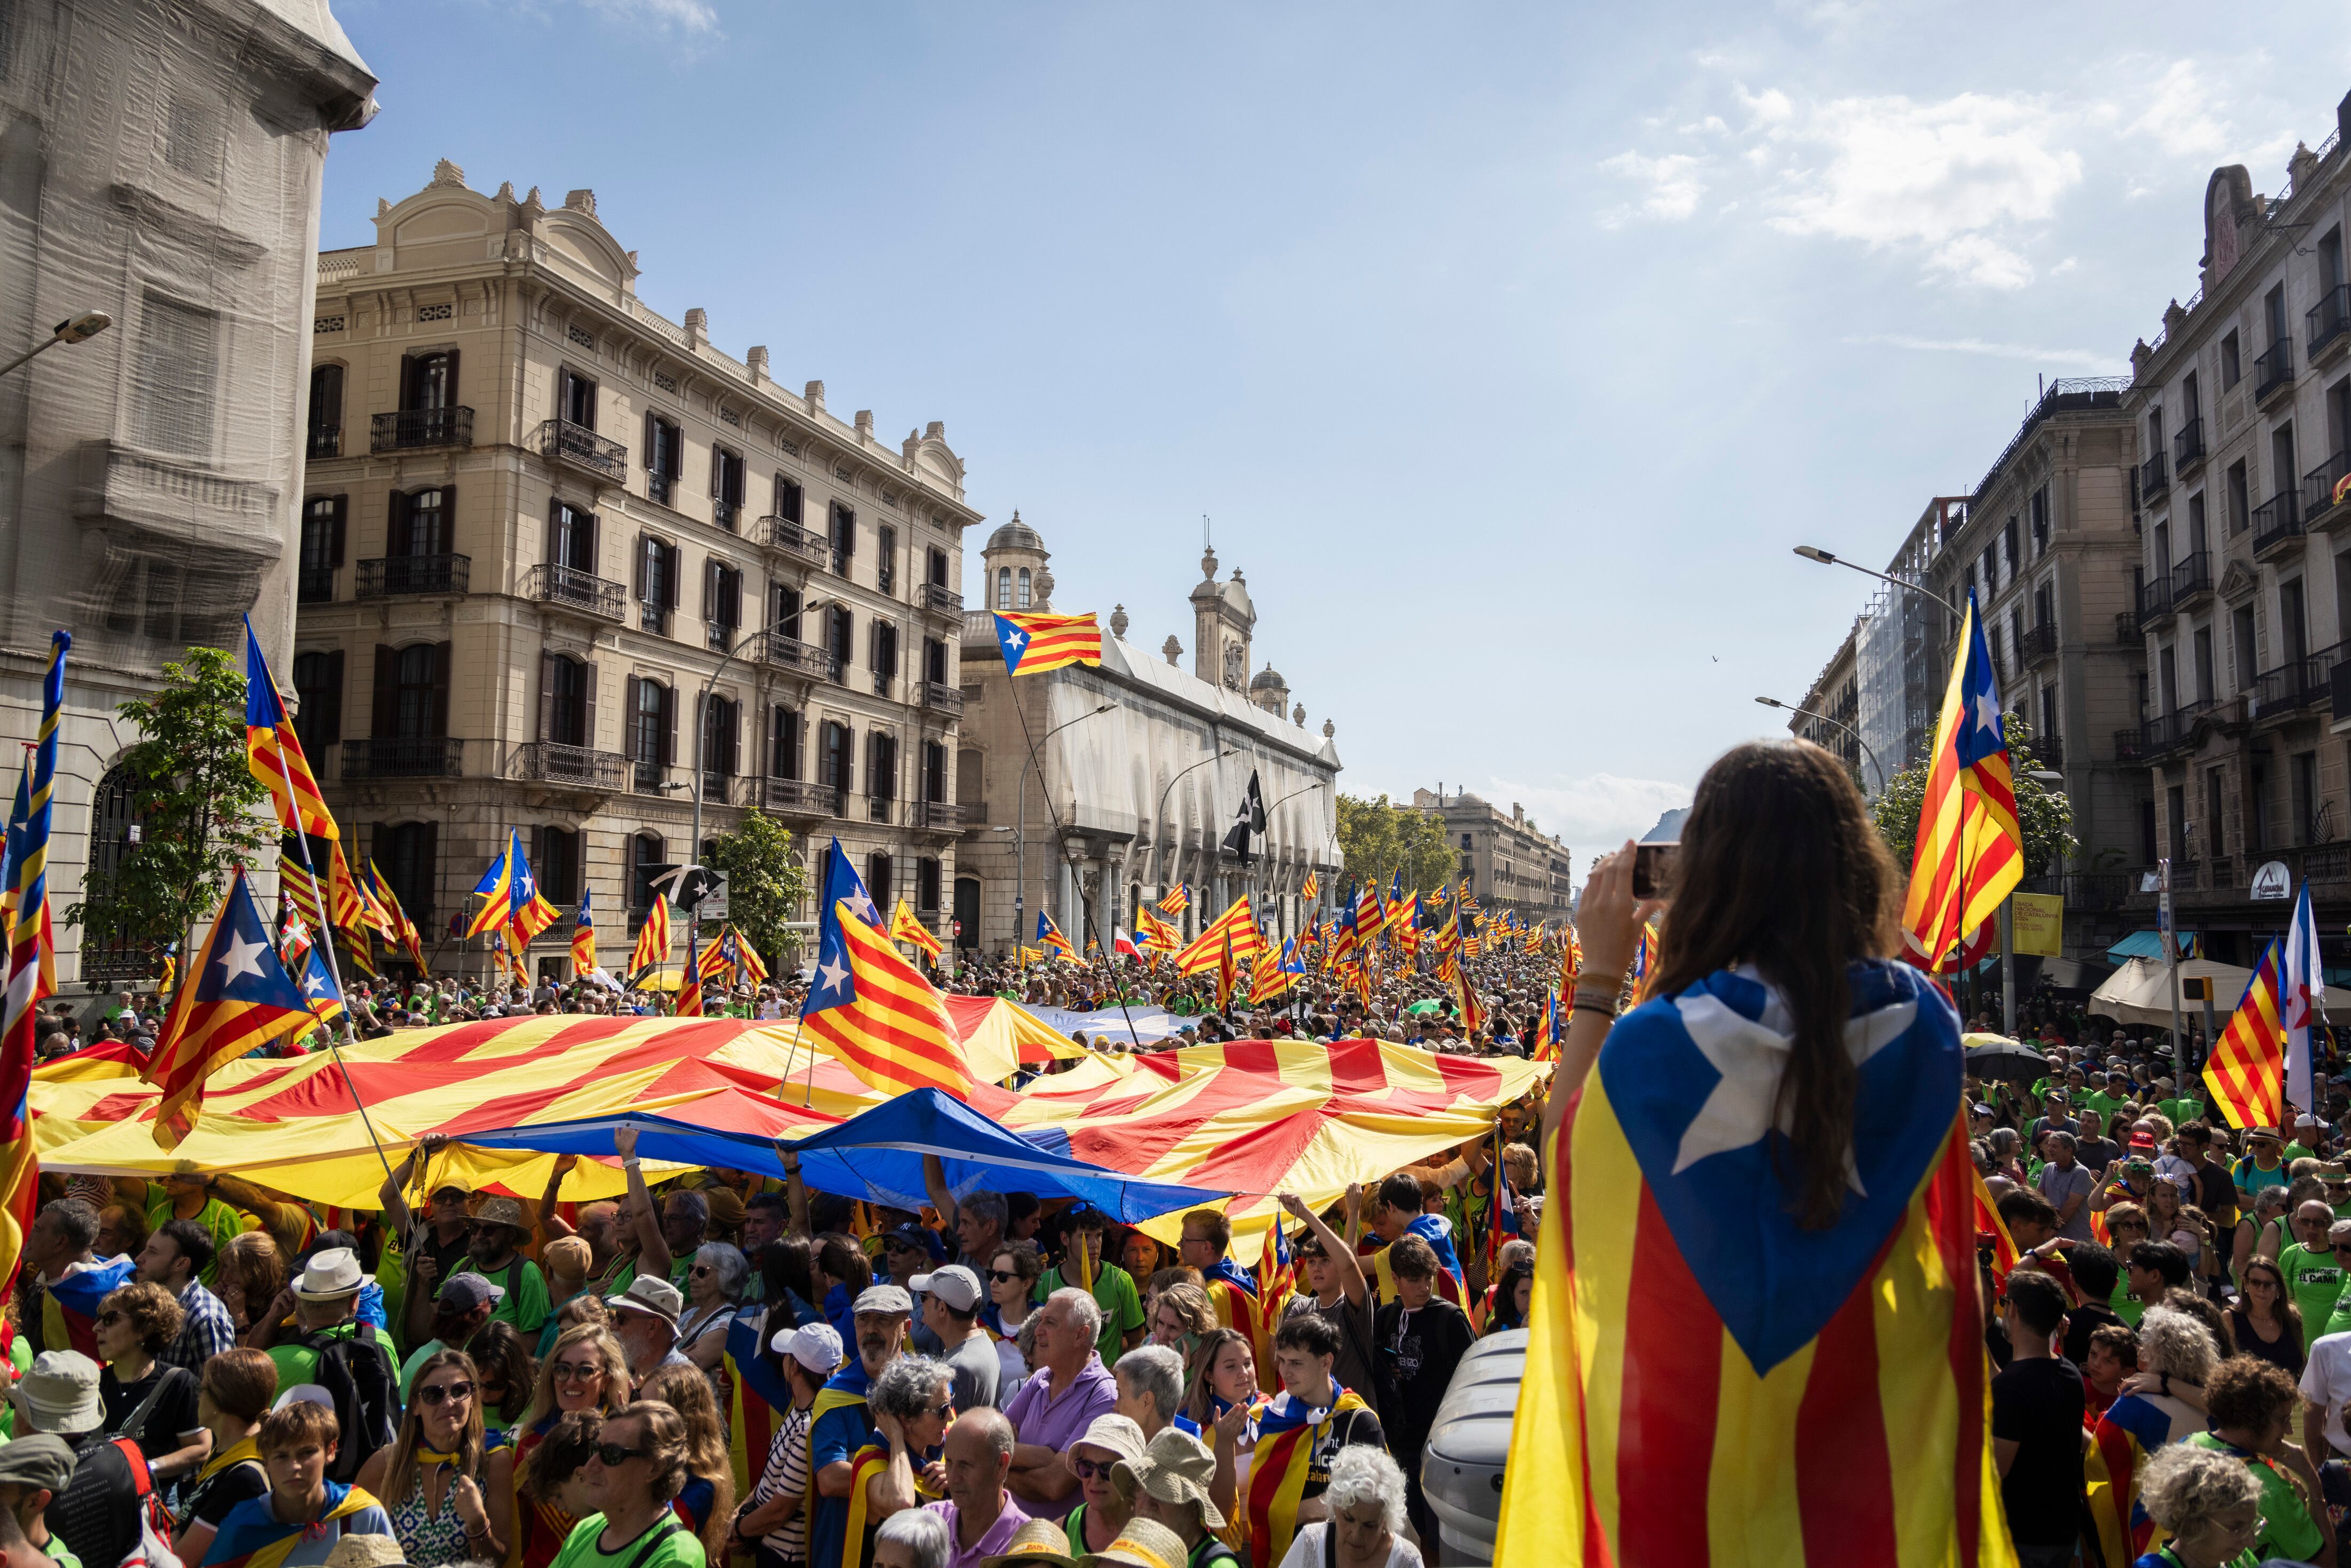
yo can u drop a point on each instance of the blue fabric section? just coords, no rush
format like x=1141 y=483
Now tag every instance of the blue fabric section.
x=2148 y=944
x=1774 y=1283
x=2148 y=1423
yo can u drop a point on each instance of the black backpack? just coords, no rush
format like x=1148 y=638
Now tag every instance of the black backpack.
x=356 y=1373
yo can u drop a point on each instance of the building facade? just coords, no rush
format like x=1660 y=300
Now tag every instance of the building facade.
x=566 y=568
x=1830 y=714
x=1510 y=865
x=163 y=161
x=1088 y=793
x=2243 y=403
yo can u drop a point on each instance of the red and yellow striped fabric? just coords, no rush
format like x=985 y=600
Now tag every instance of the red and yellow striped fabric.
x=894 y=1031
x=1034 y=643
x=1206 y=950
x=653 y=938
x=2246 y=1071
x=1970 y=850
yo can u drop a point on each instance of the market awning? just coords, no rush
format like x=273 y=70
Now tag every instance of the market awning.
x=2148 y=945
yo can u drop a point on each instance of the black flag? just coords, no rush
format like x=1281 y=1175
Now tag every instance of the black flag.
x=1250 y=819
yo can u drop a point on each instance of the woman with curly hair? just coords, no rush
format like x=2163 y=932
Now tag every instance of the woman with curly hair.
x=152 y=1405
x=2208 y=1503
x=706 y=1501
x=2253 y=1405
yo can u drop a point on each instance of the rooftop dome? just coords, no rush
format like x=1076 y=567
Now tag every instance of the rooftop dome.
x=1015 y=535
x=1269 y=679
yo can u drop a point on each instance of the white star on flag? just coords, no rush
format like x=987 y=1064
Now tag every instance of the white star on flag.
x=1015 y=637
x=1987 y=714
x=862 y=905
x=835 y=975
x=1751 y=1055
x=316 y=984
x=241 y=958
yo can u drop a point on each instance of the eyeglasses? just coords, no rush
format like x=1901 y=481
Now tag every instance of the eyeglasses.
x=112 y=1317
x=1002 y=1276
x=1091 y=1469
x=700 y=1269
x=939 y=1409
x=611 y=1456
x=575 y=1372
x=435 y=1392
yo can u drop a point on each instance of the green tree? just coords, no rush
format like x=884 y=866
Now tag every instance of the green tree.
x=765 y=884
x=200 y=810
x=2046 y=816
x=1378 y=839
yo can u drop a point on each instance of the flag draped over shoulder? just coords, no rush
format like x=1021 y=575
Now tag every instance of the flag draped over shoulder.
x=1971 y=851
x=273 y=752
x=1034 y=643
x=1703 y=1374
x=239 y=999
x=2246 y=1071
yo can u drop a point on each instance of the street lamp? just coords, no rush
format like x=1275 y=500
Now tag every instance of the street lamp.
x=1021 y=826
x=1808 y=713
x=1826 y=557
x=1159 y=816
x=76 y=328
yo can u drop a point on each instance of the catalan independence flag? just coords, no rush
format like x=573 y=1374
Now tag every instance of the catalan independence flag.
x=904 y=928
x=1049 y=938
x=1157 y=935
x=239 y=999
x=1971 y=851
x=1671 y=1411
x=1177 y=898
x=29 y=945
x=1311 y=889
x=1545 y=1044
x=583 y=938
x=273 y=752
x=653 y=938
x=2127 y=1434
x=318 y=988
x=1035 y=644
x=69 y=1306
x=871 y=1007
x=2246 y=1071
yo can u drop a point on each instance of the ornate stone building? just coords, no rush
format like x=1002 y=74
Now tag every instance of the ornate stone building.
x=1138 y=770
x=568 y=567
x=162 y=160
x=1509 y=864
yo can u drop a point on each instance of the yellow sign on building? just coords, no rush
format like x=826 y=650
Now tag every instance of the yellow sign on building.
x=2039 y=923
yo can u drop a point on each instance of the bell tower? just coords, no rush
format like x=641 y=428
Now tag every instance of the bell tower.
x=1223 y=621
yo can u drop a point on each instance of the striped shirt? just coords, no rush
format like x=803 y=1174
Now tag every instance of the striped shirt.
x=787 y=1475
x=207 y=1331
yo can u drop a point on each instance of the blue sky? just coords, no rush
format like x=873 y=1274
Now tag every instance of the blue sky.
x=1509 y=349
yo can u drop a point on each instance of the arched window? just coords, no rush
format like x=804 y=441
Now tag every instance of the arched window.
x=645 y=862
x=110 y=821
x=1004 y=587
x=1024 y=589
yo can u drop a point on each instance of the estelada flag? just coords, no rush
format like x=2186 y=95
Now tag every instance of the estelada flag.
x=653 y=938
x=239 y=999
x=1670 y=1409
x=2246 y=1071
x=879 y=1016
x=1049 y=938
x=1034 y=643
x=1311 y=889
x=583 y=939
x=1177 y=897
x=274 y=752
x=1970 y=852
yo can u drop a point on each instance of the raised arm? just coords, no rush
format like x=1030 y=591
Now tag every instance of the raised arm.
x=551 y=1224
x=1341 y=1255
x=1609 y=924
x=652 y=1250
x=935 y=1182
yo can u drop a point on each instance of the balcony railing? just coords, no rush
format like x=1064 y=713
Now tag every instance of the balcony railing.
x=653 y=618
x=2154 y=478
x=942 y=815
x=2277 y=520
x=720 y=636
x=727 y=514
x=2299 y=683
x=2130 y=745
x=2274 y=369
x=561 y=441
x=432 y=756
x=2127 y=630
x=782 y=651
x=2187 y=447
x=2329 y=319
x=578 y=590
x=2322 y=485
x=2191 y=578
x=552 y=762
x=797 y=798
x=326 y=441
x=2049 y=750
x=940 y=698
x=398 y=574
x=2155 y=600
x=938 y=596
x=787 y=537
x=415 y=427
x=647 y=777
x=317 y=586
x=882 y=682
x=879 y=808
x=2038 y=643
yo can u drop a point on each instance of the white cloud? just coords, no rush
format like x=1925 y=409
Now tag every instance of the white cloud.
x=1769 y=107
x=2084 y=359
x=1600 y=810
x=688 y=17
x=1979 y=259
x=1673 y=182
x=2179 y=116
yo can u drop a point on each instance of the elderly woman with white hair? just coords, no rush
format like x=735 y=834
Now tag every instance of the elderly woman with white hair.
x=2207 y=1502
x=911 y=1539
x=2176 y=1355
x=1151 y=1388
x=1363 y=1530
x=713 y=1288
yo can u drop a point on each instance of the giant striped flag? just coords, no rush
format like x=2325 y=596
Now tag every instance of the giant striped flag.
x=1206 y=950
x=1034 y=643
x=2246 y=1071
x=239 y=999
x=32 y=975
x=1673 y=1413
x=870 y=1004
x=1970 y=852
x=273 y=752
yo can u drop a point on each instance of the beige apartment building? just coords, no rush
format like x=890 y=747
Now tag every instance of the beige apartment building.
x=1509 y=863
x=2243 y=405
x=566 y=566
x=1830 y=714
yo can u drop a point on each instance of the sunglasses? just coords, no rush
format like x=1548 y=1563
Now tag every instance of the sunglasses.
x=435 y=1392
x=700 y=1269
x=1002 y=1276
x=611 y=1456
x=1091 y=1469
x=575 y=1372
x=112 y=1317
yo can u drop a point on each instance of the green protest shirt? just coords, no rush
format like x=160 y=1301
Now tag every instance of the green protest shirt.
x=678 y=1548
x=1121 y=1309
x=2315 y=1277
x=223 y=1222
x=2288 y=1531
x=2181 y=1112
x=300 y=1364
x=2127 y=1307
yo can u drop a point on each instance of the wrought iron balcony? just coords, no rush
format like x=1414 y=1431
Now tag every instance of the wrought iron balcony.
x=2188 y=448
x=2130 y=745
x=940 y=698
x=561 y=441
x=2127 y=630
x=2192 y=580
x=942 y=816
x=316 y=586
x=653 y=618
x=326 y=441
x=2277 y=521
x=551 y=762
x=428 y=756
x=797 y=797
x=938 y=596
x=647 y=777
x=2320 y=487
x=2299 y=683
x=2154 y=600
x=2329 y=319
x=398 y=574
x=415 y=427
x=720 y=635
x=2049 y=750
x=2154 y=478
x=788 y=537
x=882 y=682
x=880 y=809
x=2038 y=643
x=782 y=651
x=726 y=512
x=2273 y=371
x=576 y=590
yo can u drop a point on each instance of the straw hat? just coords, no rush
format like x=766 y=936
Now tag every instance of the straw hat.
x=1142 y=1543
x=1175 y=1469
x=1040 y=1540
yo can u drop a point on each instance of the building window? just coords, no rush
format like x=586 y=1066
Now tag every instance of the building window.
x=420 y=523
x=934 y=770
x=409 y=855
x=556 y=862
x=836 y=629
x=2232 y=368
x=1004 y=587
x=322 y=547
x=650 y=739
x=2239 y=499
x=926 y=885
x=175 y=377
x=722 y=602
x=784 y=610
x=788 y=499
x=563 y=700
x=326 y=418
x=111 y=818
x=1465 y=843
x=428 y=383
x=575 y=400
x=664 y=459
x=722 y=737
x=784 y=744
x=877 y=880
x=881 y=771
x=938 y=563
x=885 y=559
x=832 y=765
x=319 y=695
x=883 y=650
x=2039 y=512
x=646 y=859
x=842 y=533
x=935 y=661
x=412 y=691
x=725 y=488
x=571 y=538
x=1023 y=594
x=657 y=574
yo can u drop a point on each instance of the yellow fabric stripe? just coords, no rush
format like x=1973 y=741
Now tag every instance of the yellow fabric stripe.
x=1750 y=1494
x=1606 y=1175
x=1911 y=1304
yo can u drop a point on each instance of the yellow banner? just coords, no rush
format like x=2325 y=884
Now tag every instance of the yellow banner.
x=2040 y=920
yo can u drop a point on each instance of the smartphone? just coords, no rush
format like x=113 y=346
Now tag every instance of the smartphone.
x=1653 y=869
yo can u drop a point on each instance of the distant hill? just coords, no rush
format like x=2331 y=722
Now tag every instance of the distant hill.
x=1669 y=830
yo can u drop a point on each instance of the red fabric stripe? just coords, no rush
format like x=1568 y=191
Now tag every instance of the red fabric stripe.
x=1845 y=1482
x=1950 y=1209
x=1673 y=1339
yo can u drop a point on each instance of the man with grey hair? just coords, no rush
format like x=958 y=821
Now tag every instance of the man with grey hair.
x=920 y=1534
x=686 y=1225
x=2066 y=1184
x=59 y=1244
x=981 y=1517
x=977 y=1219
x=1059 y=1401
x=1150 y=1387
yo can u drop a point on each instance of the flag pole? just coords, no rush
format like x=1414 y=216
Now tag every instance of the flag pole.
x=326 y=939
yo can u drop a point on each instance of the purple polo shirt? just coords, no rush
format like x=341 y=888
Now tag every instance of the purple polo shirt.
x=995 y=1543
x=1057 y=1423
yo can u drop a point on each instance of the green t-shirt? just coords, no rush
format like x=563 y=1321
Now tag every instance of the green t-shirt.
x=525 y=1302
x=300 y=1364
x=2316 y=1280
x=1121 y=1309
x=2104 y=1104
x=2181 y=1112
x=59 y=1552
x=223 y=1222
x=679 y=1549
x=2287 y=1530
x=2127 y=1307
x=2294 y=1152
